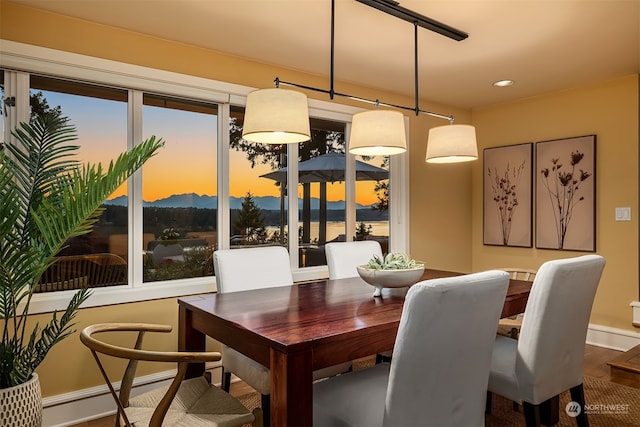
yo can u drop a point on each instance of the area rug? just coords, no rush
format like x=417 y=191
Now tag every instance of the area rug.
x=608 y=405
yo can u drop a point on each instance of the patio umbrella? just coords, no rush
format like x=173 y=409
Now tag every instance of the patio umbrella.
x=329 y=168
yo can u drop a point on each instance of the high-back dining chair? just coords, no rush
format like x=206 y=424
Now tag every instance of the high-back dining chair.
x=192 y=402
x=344 y=257
x=547 y=357
x=253 y=268
x=440 y=366
x=511 y=325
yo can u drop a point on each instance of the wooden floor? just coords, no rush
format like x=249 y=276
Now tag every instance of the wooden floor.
x=595 y=365
x=625 y=369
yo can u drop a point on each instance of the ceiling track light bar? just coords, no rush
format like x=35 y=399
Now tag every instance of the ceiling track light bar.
x=280 y=116
x=416 y=20
x=393 y=8
x=375 y=102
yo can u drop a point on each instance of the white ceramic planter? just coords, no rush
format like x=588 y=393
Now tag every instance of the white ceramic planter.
x=22 y=405
x=390 y=278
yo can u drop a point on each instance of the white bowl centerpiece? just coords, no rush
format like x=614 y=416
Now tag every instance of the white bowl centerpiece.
x=394 y=270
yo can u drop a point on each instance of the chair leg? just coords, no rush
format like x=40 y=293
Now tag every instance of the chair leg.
x=577 y=395
x=550 y=411
x=487 y=404
x=531 y=414
x=265 y=403
x=381 y=358
x=226 y=380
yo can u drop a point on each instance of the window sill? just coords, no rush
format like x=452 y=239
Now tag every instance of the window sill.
x=48 y=302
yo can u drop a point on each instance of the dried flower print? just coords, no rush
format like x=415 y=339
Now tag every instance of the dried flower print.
x=505 y=196
x=563 y=187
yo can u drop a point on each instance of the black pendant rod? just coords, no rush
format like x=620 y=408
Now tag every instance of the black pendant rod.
x=415 y=65
x=393 y=8
x=333 y=31
x=376 y=102
x=331 y=92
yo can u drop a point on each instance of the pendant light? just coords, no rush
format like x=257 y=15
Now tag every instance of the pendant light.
x=377 y=133
x=276 y=116
x=452 y=144
x=279 y=116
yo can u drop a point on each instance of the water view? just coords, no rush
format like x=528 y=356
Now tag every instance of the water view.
x=336 y=228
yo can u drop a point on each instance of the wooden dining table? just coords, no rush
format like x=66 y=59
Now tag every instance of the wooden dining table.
x=297 y=329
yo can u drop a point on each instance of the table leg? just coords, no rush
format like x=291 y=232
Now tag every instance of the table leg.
x=190 y=339
x=291 y=389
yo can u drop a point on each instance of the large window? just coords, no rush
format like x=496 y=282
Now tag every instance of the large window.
x=207 y=188
x=321 y=191
x=99 y=115
x=179 y=189
x=257 y=200
x=372 y=200
x=258 y=194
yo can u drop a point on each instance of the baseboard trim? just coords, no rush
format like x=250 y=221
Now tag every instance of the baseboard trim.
x=636 y=313
x=89 y=404
x=613 y=338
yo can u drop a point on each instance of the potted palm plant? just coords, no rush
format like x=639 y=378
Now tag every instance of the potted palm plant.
x=46 y=198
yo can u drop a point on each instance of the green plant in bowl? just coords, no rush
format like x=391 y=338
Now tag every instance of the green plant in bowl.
x=393 y=261
x=394 y=270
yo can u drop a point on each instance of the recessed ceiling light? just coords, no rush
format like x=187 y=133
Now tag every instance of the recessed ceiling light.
x=503 y=83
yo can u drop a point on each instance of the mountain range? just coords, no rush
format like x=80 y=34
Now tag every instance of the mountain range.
x=192 y=200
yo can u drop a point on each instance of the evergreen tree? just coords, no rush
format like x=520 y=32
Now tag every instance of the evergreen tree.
x=250 y=222
x=382 y=189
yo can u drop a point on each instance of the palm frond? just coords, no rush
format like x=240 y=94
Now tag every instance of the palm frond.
x=46 y=198
x=37 y=160
x=56 y=330
x=81 y=195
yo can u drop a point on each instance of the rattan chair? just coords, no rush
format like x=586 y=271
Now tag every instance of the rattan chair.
x=192 y=402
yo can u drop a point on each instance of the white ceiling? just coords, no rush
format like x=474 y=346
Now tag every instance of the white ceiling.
x=544 y=45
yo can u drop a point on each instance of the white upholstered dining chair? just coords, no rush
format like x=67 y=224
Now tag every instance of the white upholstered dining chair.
x=440 y=367
x=246 y=269
x=342 y=260
x=344 y=257
x=547 y=357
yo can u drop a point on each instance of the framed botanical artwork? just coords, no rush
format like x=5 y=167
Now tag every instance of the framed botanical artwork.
x=508 y=195
x=566 y=194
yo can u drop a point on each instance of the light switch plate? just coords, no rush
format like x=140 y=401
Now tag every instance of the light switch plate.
x=623 y=214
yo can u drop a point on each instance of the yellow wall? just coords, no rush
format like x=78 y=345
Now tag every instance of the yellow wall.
x=610 y=111
x=446 y=200
x=440 y=195
x=69 y=366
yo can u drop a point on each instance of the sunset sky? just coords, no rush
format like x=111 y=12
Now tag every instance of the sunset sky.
x=187 y=162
